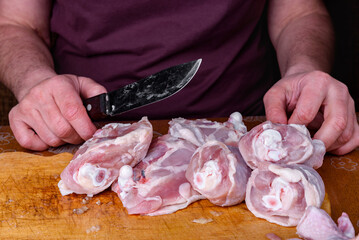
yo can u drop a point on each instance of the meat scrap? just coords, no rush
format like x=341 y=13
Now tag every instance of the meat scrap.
x=281 y=144
x=97 y=162
x=219 y=173
x=281 y=193
x=316 y=224
x=202 y=220
x=157 y=185
x=200 y=131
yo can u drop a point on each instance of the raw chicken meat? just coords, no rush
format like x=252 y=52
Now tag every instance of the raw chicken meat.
x=282 y=144
x=316 y=224
x=281 y=193
x=157 y=185
x=97 y=162
x=219 y=173
x=200 y=131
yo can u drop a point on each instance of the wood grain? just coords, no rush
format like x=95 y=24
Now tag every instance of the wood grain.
x=31 y=207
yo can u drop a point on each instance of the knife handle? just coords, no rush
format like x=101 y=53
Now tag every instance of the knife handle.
x=96 y=106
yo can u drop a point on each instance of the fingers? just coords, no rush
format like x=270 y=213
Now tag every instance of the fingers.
x=348 y=131
x=58 y=125
x=73 y=112
x=24 y=133
x=336 y=116
x=308 y=104
x=348 y=140
x=318 y=101
x=90 y=88
x=275 y=104
x=351 y=144
x=52 y=113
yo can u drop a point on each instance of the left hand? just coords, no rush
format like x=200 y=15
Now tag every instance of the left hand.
x=315 y=99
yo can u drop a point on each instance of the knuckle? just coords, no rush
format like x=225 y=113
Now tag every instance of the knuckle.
x=25 y=141
x=37 y=93
x=344 y=138
x=12 y=114
x=57 y=80
x=305 y=115
x=63 y=130
x=271 y=93
x=72 y=111
x=54 y=142
x=340 y=123
x=321 y=76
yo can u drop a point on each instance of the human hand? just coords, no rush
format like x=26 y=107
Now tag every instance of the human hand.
x=52 y=113
x=318 y=101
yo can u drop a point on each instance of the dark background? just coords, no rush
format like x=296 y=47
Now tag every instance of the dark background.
x=345 y=16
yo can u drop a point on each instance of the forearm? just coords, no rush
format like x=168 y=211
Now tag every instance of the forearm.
x=25 y=59
x=303 y=43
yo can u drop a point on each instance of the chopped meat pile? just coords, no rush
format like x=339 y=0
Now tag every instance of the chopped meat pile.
x=271 y=167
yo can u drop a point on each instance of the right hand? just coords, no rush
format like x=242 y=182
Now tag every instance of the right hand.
x=52 y=113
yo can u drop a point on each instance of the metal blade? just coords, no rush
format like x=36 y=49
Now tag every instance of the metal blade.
x=151 y=89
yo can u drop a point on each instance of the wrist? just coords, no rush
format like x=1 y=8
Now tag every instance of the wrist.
x=22 y=85
x=303 y=67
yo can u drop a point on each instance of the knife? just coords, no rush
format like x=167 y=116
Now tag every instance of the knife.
x=148 y=90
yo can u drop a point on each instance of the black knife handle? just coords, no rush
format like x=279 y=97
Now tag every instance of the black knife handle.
x=96 y=106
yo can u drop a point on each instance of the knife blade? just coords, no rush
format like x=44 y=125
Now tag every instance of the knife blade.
x=148 y=90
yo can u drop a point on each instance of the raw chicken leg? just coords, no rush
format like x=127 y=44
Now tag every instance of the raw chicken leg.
x=200 y=131
x=97 y=162
x=316 y=224
x=282 y=144
x=281 y=193
x=219 y=173
x=157 y=185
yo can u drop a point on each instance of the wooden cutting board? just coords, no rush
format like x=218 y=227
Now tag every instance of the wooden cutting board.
x=31 y=207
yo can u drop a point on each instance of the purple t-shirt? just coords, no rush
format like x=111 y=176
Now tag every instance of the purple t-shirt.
x=119 y=42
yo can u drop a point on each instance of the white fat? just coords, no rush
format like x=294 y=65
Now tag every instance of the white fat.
x=188 y=134
x=87 y=174
x=267 y=125
x=269 y=145
x=126 y=173
x=63 y=188
x=210 y=176
x=116 y=125
x=134 y=136
x=274 y=155
x=237 y=120
x=289 y=175
x=271 y=138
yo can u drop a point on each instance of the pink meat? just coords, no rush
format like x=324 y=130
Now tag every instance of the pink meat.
x=282 y=144
x=200 y=131
x=157 y=185
x=97 y=162
x=316 y=224
x=281 y=193
x=219 y=173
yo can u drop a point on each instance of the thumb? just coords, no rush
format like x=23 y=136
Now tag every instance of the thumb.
x=90 y=88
